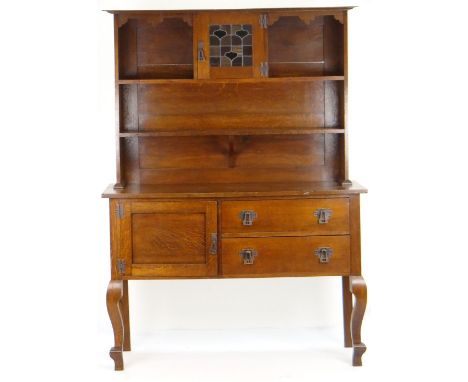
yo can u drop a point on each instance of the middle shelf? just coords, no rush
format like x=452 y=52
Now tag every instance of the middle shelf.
x=142 y=81
x=255 y=131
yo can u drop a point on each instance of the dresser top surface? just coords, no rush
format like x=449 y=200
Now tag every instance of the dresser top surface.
x=299 y=9
x=179 y=5
x=231 y=190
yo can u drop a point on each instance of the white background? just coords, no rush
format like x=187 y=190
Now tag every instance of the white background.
x=408 y=144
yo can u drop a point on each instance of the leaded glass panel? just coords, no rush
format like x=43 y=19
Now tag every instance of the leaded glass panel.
x=231 y=45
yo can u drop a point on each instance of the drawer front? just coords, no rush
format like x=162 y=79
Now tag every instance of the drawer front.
x=313 y=216
x=286 y=256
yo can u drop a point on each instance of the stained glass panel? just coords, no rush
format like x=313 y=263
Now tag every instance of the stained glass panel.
x=231 y=45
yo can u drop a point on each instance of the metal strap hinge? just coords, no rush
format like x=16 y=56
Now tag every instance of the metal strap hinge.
x=264 y=69
x=119 y=210
x=201 y=51
x=121 y=265
x=214 y=244
x=264 y=21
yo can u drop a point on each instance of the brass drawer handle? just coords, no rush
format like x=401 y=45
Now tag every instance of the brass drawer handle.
x=248 y=217
x=323 y=215
x=324 y=254
x=248 y=255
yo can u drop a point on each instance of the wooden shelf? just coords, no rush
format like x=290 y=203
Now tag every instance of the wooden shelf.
x=198 y=132
x=228 y=190
x=228 y=80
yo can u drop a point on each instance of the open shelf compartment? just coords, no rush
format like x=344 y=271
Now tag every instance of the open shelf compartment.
x=304 y=45
x=156 y=47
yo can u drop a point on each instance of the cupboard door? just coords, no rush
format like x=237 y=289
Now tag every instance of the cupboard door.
x=229 y=45
x=169 y=239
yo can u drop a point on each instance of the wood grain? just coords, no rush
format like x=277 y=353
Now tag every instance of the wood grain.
x=206 y=104
x=175 y=238
x=213 y=152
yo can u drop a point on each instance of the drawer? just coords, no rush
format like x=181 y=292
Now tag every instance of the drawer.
x=313 y=216
x=286 y=256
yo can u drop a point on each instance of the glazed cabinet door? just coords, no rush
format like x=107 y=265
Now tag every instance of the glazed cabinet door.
x=165 y=239
x=230 y=45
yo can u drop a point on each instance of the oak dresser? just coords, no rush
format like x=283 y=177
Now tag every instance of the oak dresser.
x=231 y=137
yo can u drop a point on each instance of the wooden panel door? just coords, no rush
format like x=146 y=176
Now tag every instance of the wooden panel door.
x=168 y=239
x=229 y=45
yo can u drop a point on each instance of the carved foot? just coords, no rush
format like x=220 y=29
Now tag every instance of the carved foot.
x=116 y=355
x=358 y=351
x=113 y=299
x=358 y=288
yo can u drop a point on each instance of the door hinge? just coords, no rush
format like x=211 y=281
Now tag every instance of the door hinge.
x=121 y=266
x=264 y=21
x=119 y=210
x=214 y=244
x=264 y=69
x=201 y=51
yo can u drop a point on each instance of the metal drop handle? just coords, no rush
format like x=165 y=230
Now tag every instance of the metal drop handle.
x=248 y=217
x=248 y=255
x=323 y=215
x=324 y=254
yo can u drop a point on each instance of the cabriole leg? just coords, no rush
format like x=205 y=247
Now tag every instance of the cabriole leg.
x=358 y=288
x=114 y=297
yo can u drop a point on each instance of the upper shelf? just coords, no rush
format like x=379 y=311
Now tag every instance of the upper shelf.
x=251 y=46
x=229 y=80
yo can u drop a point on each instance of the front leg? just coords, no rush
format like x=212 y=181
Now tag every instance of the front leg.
x=114 y=297
x=358 y=288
